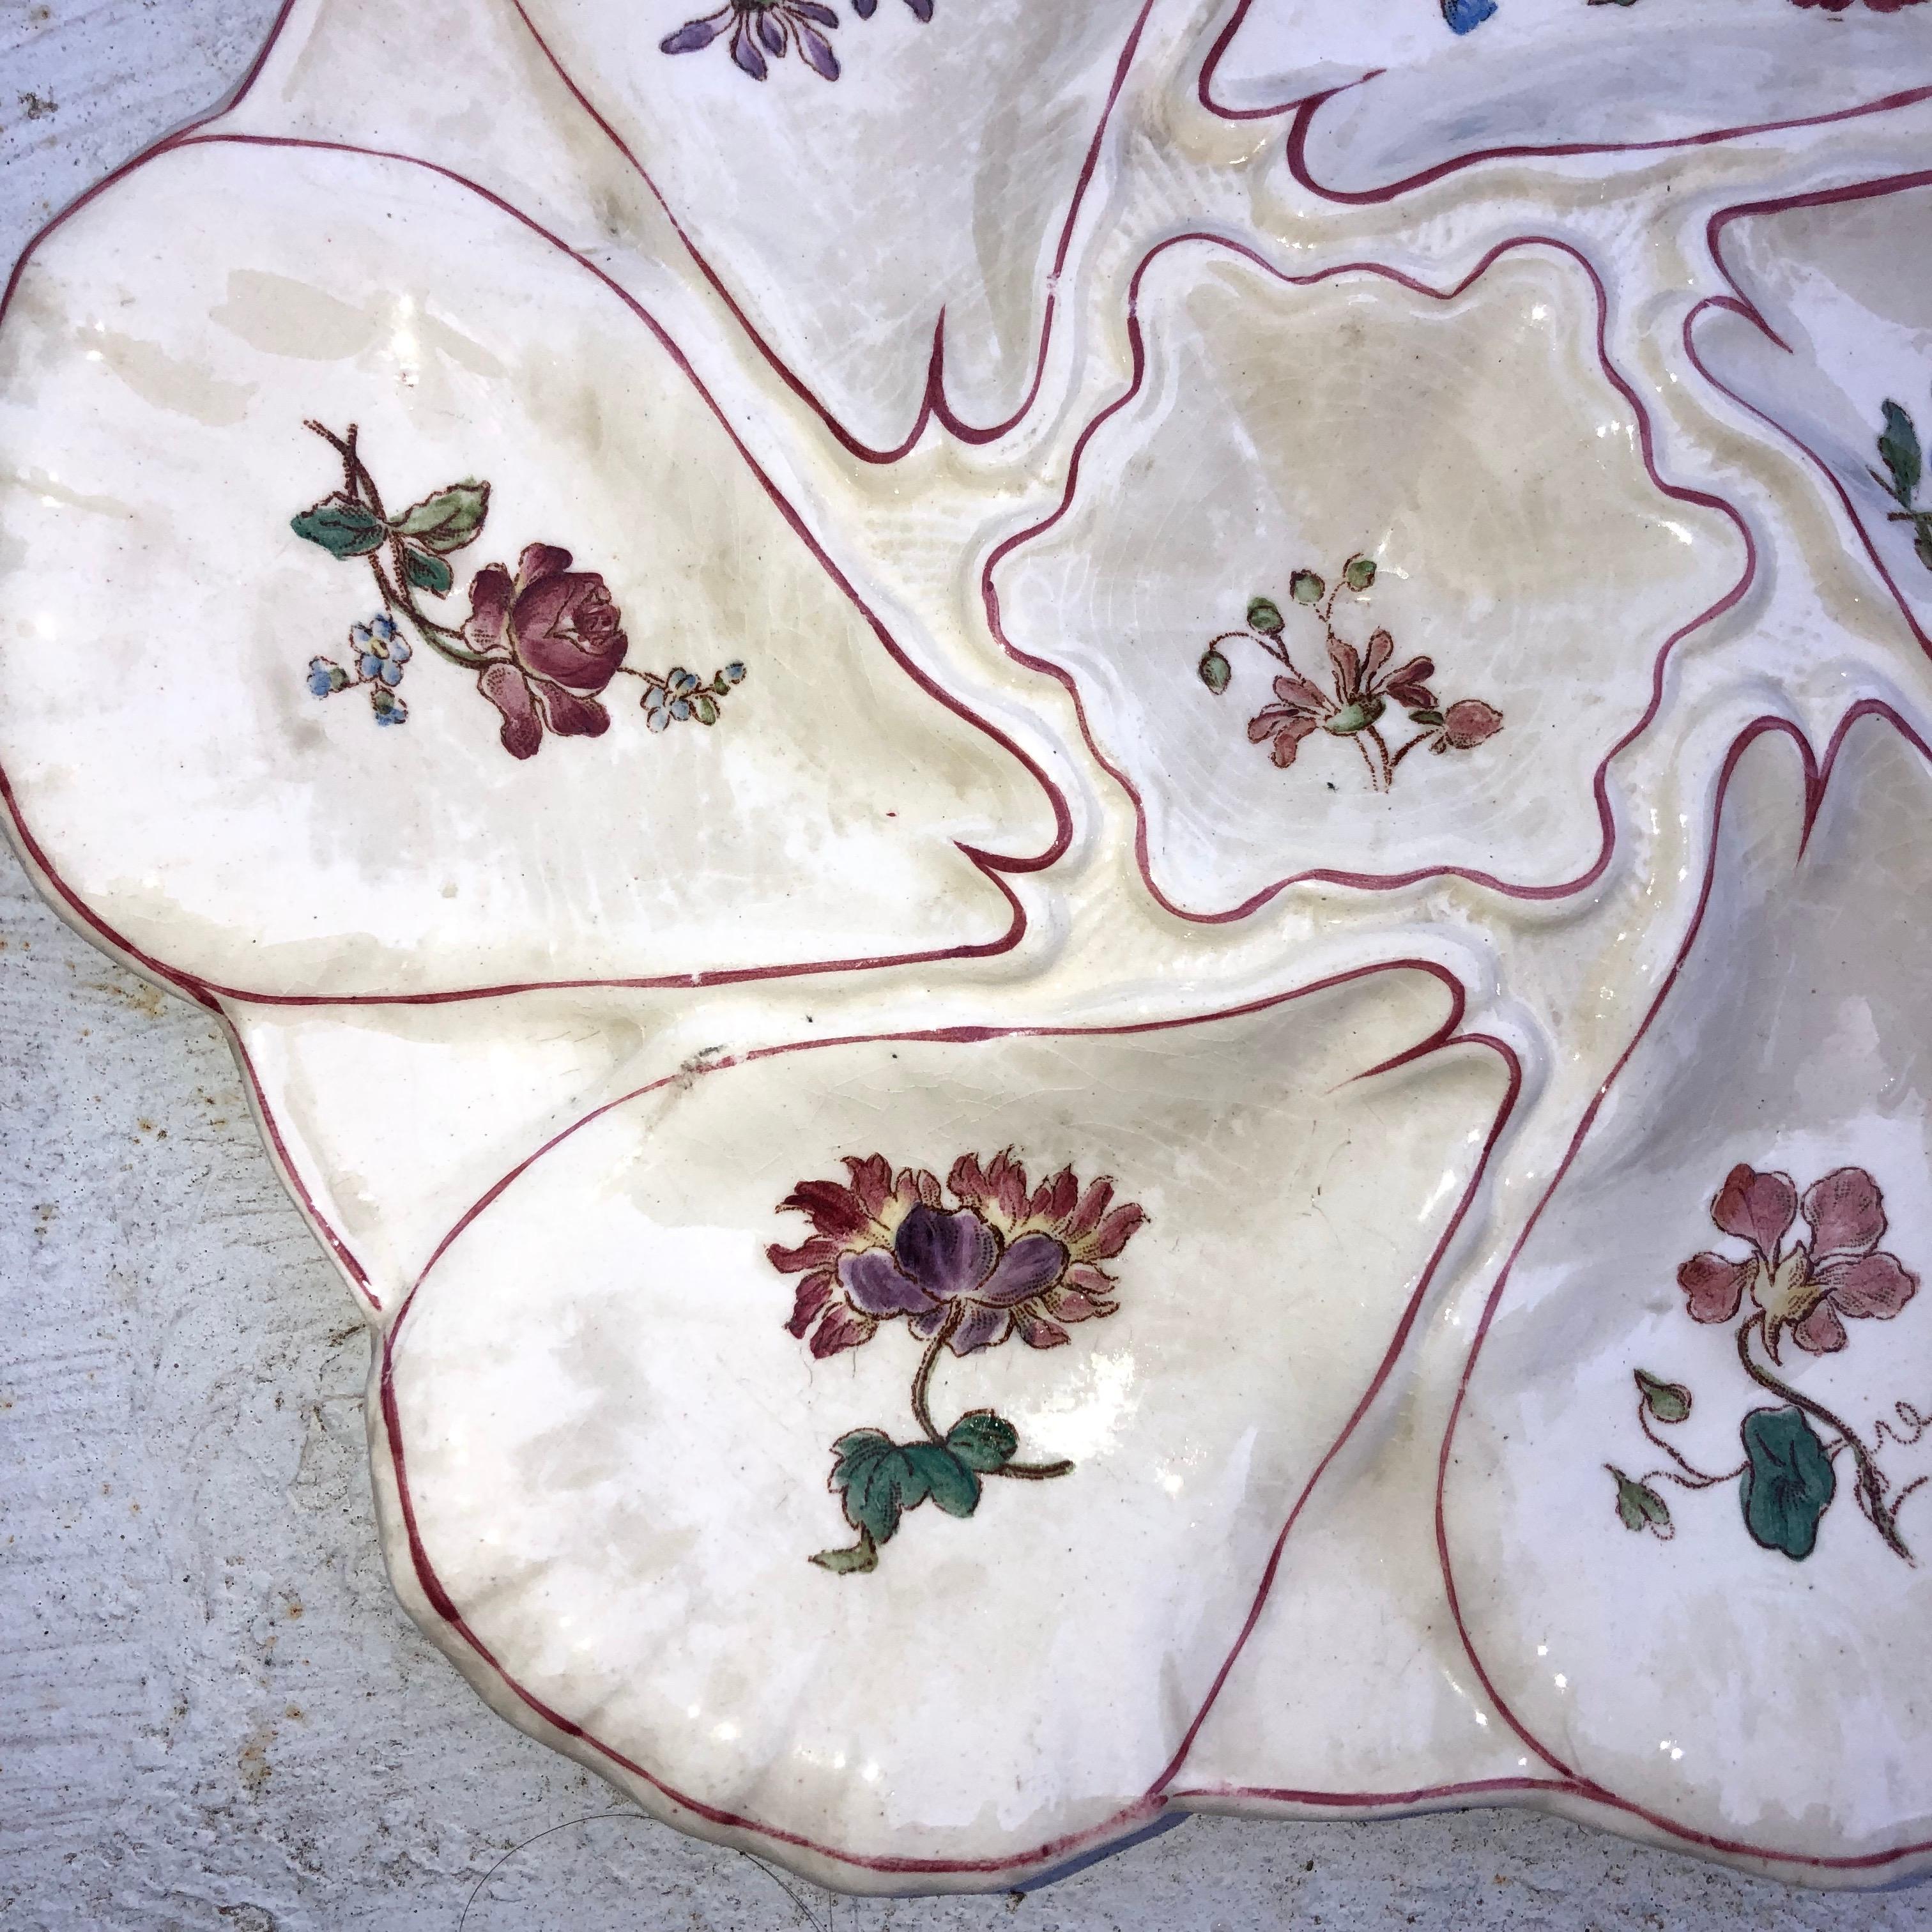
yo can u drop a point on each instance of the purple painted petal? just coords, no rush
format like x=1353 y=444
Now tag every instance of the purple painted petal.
x=1033 y=1262
x=922 y=9
x=1873 y=1284
x=692 y=35
x=947 y=1254
x=816 y=50
x=1847 y=1213
x=810 y=10
x=863 y=8
x=771 y=32
x=874 y=1285
x=745 y=52
x=1759 y=1208
x=983 y=1327
x=1715 y=1286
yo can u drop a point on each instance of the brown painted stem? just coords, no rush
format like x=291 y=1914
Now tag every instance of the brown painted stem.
x=1870 y=1481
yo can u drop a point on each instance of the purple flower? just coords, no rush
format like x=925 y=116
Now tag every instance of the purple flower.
x=951 y=1270
x=759 y=27
x=1009 y=1260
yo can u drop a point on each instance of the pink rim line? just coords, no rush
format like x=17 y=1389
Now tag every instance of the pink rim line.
x=994 y=867
x=934 y=406
x=1817 y=774
x=1329 y=875
x=1304 y=107
x=1737 y=303
x=1156 y=1799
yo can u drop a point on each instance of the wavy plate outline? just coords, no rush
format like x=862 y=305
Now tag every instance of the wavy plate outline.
x=934 y=406
x=1329 y=875
x=724 y=1826
x=1737 y=303
x=1816 y=774
x=1304 y=107
x=993 y=867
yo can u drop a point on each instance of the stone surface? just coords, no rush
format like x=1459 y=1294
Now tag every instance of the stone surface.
x=211 y=1712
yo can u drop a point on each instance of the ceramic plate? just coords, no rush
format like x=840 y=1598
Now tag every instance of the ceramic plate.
x=1078 y=860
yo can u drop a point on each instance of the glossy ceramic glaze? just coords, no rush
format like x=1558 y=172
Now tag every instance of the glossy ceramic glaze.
x=1078 y=860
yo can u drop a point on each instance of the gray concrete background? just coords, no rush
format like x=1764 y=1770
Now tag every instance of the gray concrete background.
x=212 y=1713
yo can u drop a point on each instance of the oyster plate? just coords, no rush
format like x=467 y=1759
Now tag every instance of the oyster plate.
x=1191 y=822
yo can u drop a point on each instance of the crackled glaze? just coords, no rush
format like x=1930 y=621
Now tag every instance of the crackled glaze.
x=1077 y=859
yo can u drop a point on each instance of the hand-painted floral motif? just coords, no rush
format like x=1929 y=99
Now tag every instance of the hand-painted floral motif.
x=1363 y=684
x=544 y=642
x=1004 y=1261
x=1904 y=461
x=1461 y=15
x=759 y=28
x=1805 y=1289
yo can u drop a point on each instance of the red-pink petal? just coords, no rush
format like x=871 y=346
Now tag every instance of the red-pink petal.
x=1382 y=648
x=1715 y=1286
x=1054 y=1199
x=840 y=1329
x=539 y=561
x=508 y=690
x=1116 y=1231
x=1068 y=1304
x=817 y=1252
x=968 y=1181
x=835 y=1210
x=1821 y=1331
x=570 y=716
x=1759 y=1208
x=1873 y=1285
x=814 y=1292
x=872 y=1181
x=1093 y=1204
x=1347 y=663
x=1036 y=1332
x=1847 y=1213
x=490 y=591
x=1468 y=721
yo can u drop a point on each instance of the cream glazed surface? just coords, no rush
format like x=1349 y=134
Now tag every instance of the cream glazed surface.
x=1075 y=860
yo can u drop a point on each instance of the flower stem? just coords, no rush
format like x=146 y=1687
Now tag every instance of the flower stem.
x=1871 y=1483
x=921 y=1414
x=1029 y=1472
x=360 y=487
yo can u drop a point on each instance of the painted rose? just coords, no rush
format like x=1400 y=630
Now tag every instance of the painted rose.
x=1006 y=1260
x=1812 y=1285
x=554 y=639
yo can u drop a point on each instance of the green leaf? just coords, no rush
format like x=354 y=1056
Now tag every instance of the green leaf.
x=1638 y=1506
x=341 y=526
x=1668 y=1401
x=983 y=1441
x=1788 y=1482
x=1305 y=587
x=1353 y=718
x=940 y=1474
x=1360 y=572
x=1922 y=543
x=705 y=709
x=1899 y=447
x=863 y=1556
x=865 y=1476
x=1265 y=615
x=448 y=519
x=426 y=572
x=1425 y=717
x=1215 y=671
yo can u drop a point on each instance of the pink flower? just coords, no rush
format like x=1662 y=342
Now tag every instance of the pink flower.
x=1808 y=1287
x=553 y=638
x=1004 y=1261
